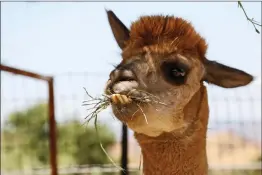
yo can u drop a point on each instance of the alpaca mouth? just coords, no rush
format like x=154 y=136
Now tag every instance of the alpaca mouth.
x=132 y=96
x=129 y=100
x=126 y=106
x=125 y=92
x=133 y=104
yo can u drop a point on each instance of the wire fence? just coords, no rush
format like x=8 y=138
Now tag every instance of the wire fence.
x=233 y=143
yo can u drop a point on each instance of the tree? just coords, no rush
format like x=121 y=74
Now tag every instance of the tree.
x=252 y=20
x=83 y=144
x=26 y=134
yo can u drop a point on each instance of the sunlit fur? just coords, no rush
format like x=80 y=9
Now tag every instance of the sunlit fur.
x=164 y=34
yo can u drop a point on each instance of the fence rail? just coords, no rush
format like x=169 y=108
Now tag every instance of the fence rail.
x=51 y=108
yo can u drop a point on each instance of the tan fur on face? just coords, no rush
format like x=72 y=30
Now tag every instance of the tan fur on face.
x=156 y=122
x=161 y=119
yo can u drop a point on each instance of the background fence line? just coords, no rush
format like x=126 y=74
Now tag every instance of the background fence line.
x=233 y=142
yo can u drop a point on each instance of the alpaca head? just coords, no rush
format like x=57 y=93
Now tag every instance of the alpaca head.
x=163 y=61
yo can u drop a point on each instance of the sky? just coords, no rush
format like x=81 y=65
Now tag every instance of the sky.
x=54 y=37
x=66 y=39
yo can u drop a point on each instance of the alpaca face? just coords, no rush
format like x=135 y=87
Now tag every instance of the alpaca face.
x=167 y=82
x=163 y=66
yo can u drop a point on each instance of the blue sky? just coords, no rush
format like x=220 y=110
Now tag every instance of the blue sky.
x=52 y=38
x=55 y=38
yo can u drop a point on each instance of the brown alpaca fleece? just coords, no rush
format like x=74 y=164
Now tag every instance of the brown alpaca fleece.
x=179 y=153
x=153 y=50
x=164 y=34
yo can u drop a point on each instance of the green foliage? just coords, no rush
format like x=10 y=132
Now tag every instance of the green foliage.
x=25 y=136
x=26 y=140
x=82 y=142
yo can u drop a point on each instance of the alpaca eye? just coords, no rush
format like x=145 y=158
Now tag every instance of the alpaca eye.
x=174 y=72
x=178 y=72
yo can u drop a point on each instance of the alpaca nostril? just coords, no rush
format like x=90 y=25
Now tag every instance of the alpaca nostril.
x=122 y=75
x=125 y=79
x=126 y=75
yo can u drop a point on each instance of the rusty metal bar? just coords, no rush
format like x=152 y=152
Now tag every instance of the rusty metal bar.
x=51 y=103
x=23 y=72
x=52 y=127
x=124 y=160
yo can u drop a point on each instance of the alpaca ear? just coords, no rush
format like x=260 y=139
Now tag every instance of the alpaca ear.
x=225 y=76
x=120 y=31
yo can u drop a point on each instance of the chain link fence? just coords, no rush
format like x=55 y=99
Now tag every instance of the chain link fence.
x=233 y=143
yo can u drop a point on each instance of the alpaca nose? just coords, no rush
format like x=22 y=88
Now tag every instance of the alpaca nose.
x=121 y=81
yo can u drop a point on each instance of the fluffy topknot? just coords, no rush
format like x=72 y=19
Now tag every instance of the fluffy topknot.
x=165 y=34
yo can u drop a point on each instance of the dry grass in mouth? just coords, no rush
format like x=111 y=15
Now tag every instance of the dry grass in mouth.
x=101 y=103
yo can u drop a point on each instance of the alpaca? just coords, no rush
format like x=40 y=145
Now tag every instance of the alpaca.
x=164 y=67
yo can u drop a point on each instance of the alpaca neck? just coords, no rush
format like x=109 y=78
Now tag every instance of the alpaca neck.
x=179 y=153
